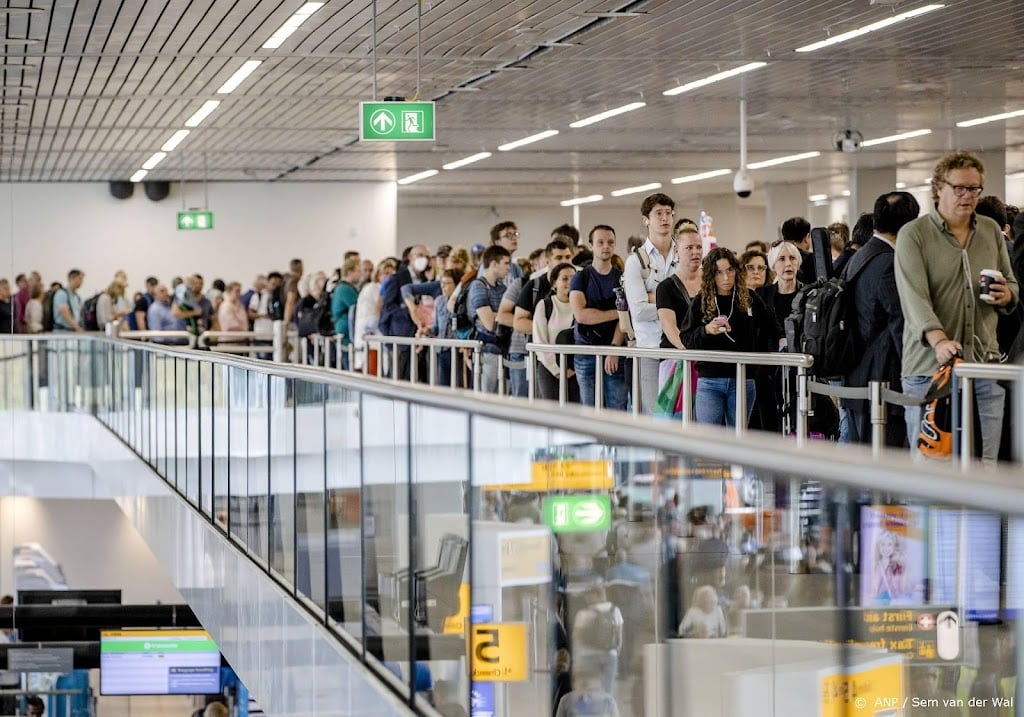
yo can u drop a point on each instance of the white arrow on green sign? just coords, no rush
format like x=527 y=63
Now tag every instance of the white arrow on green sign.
x=576 y=514
x=396 y=121
x=195 y=220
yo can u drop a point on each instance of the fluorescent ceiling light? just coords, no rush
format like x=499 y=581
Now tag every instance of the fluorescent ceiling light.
x=901 y=185
x=417 y=177
x=247 y=68
x=703 y=175
x=636 y=190
x=836 y=39
x=138 y=176
x=466 y=160
x=202 y=113
x=817 y=198
x=895 y=137
x=175 y=140
x=582 y=200
x=606 y=114
x=714 y=78
x=845 y=192
x=291 y=25
x=783 y=160
x=156 y=159
x=991 y=118
x=528 y=140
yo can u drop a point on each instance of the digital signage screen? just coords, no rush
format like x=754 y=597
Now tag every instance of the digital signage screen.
x=158 y=662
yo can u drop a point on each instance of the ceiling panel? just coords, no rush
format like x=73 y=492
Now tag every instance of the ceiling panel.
x=111 y=80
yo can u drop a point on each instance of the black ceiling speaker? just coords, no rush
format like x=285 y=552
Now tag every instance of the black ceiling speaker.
x=120 y=189
x=157 y=190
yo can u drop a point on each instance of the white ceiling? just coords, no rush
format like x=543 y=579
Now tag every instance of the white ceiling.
x=106 y=83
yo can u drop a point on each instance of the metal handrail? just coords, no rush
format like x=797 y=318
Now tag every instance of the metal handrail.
x=964 y=376
x=846 y=465
x=152 y=335
x=433 y=345
x=235 y=341
x=801 y=362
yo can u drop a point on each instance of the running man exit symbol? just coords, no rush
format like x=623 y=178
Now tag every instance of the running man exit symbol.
x=412 y=121
x=396 y=121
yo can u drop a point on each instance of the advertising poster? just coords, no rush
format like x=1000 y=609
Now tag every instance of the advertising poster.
x=892 y=555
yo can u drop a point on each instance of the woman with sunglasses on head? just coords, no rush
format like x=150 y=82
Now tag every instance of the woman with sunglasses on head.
x=726 y=316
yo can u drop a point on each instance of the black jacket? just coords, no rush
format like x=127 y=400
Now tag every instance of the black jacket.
x=872 y=281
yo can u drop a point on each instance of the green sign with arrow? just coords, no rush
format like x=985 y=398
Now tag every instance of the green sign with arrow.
x=195 y=219
x=396 y=121
x=577 y=514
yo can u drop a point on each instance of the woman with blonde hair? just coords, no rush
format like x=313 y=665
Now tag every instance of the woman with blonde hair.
x=107 y=306
x=368 y=309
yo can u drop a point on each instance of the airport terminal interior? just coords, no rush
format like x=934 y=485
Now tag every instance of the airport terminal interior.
x=252 y=462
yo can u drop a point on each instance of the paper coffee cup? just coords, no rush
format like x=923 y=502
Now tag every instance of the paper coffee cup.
x=987 y=276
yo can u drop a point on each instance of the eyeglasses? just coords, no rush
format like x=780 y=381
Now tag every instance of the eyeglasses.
x=754 y=267
x=961 y=190
x=509 y=235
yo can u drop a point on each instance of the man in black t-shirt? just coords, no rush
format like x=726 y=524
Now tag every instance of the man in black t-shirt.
x=592 y=297
x=538 y=287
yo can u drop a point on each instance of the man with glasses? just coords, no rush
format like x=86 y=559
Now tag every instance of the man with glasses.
x=506 y=234
x=939 y=257
x=644 y=270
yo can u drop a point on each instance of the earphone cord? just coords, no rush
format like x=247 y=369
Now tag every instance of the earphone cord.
x=731 y=308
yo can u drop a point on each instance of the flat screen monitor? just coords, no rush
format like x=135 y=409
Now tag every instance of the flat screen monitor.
x=892 y=555
x=69 y=597
x=966 y=556
x=158 y=662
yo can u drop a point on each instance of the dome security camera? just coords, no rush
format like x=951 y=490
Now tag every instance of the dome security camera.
x=742 y=184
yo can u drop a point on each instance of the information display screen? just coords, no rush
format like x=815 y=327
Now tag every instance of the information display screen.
x=158 y=662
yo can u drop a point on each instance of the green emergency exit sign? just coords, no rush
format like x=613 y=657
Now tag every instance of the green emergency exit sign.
x=195 y=220
x=576 y=514
x=396 y=121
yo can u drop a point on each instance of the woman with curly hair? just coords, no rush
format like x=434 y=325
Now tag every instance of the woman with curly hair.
x=726 y=317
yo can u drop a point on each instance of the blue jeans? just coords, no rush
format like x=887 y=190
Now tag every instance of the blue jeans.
x=988 y=396
x=716 y=400
x=615 y=391
x=517 y=376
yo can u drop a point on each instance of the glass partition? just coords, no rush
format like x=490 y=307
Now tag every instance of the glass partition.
x=490 y=564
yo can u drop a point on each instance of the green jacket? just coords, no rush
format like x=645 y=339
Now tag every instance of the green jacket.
x=938 y=282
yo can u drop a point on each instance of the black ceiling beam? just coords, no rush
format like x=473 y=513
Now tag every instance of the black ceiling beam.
x=107 y=617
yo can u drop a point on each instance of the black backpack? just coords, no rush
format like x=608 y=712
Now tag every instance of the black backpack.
x=463 y=326
x=48 y=323
x=90 y=320
x=316 y=318
x=823 y=323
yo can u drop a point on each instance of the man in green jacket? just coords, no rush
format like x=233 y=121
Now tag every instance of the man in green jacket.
x=939 y=257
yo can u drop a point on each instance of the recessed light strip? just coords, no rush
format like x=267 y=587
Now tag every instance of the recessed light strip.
x=156 y=159
x=783 y=160
x=247 y=68
x=635 y=190
x=175 y=140
x=138 y=176
x=881 y=24
x=202 y=113
x=581 y=200
x=817 y=198
x=991 y=118
x=417 y=177
x=702 y=176
x=291 y=25
x=528 y=140
x=711 y=79
x=895 y=137
x=593 y=119
x=466 y=160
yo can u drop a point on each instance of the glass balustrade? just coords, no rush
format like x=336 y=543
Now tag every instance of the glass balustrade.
x=488 y=556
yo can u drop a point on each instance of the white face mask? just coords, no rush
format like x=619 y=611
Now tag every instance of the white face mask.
x=419 y=264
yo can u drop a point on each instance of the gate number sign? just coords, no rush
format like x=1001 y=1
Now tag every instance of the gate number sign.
x=498 y=652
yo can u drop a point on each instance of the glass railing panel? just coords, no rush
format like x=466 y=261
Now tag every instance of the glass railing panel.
x=254 y=489
x=348 y=585
x=194 y=430
x=440 y=527
x=220 y=444
x=385 y=500
x=183 y=426
x=207 y=434
x=284 y=407
x=165 y=417
x=311 y=555
x=235 y=490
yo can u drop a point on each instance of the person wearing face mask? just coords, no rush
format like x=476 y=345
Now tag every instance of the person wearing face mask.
x=395 y=319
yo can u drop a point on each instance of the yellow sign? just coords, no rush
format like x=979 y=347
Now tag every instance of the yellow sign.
x=868 y=692
x=497 y=652
x=525 y=559
x=564 y=475
x=456 y=624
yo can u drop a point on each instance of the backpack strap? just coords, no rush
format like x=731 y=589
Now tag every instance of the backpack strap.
x=645 y=264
